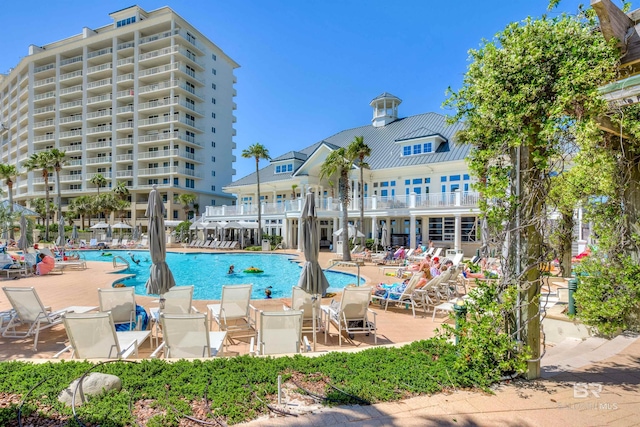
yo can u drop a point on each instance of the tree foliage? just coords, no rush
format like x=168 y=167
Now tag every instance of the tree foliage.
x=529 y=95
x=258 y=152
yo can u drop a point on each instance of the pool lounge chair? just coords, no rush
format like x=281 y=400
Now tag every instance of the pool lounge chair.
x=94 y=336
x=400 y=298
x=28 y=311
x=121 y=302
x=279 y=333
x=93 y=243
x=177 y=301
x=194 y=243
x=235 y=312
x=124 y=243
x=303 y=301
x=233 y=245
x=188 y=336
x=144 y=243
x=351 y=315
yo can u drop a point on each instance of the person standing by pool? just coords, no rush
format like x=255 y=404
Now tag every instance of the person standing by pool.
x=231 y=269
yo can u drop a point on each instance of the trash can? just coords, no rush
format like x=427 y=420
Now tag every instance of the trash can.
x=573 y=286
x=266 y=245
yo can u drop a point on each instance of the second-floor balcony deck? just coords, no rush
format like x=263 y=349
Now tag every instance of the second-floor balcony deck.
x=326 y=206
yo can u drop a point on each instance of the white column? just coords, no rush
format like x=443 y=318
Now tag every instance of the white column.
x=285 y=232
x=336 y=226
x=425 y=230
x=299 y=235
x=388 y=222
x=412 y=231
x=374 y=227
x=412 y=200
x=458 y=233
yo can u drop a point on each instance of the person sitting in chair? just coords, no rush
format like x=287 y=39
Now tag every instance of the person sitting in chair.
x=45 y=265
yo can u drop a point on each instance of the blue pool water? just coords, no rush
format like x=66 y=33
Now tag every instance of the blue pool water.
x=208 y=272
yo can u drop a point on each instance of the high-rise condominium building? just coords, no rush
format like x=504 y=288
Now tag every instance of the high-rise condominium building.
x=144 y=100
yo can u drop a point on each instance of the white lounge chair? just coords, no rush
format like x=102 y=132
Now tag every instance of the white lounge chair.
x=94 y=336
x=279 y=333
x=303 y=301
x=124 y=243
x=401 y=298
x=351 y=315
x=177 y=301
x=234 y=313
x=144 y=243
x=121 y=302
x=29 y=312
x=188 y=336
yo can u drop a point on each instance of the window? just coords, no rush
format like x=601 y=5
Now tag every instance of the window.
x=213 y=100
x=176 y=182
x=435 y=229
x=213 y=115
x=213 y=86
x=427 y=180
x=427 y=147
x=384 y=193
x=289 y=167
x=213 y=188
x=175 y=214
x=75 y=187
x=392 y=183
x=213 y=173
x=417 y=149
x=454 y=178
x=213 y=159
x=417 y=190
x=407 y=181
x=384 y=184
x=417 y=181
x=278 y=169
x=213 y=202
x=213 y=144
x=213 y=71
x=190 y=183
x=213 y=130
x=465 y=177
x=406 y=150
x=214 y=57
x=468 y=229
x=443 y=179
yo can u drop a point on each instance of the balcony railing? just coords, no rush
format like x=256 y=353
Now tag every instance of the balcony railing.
x=328 y=204
x=98 y=160
x=43 y=82
x=71 y=75
x=71 y=60
x=102 y=67
x=100 y=52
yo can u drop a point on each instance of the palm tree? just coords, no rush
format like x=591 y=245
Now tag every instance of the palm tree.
x=39 y=206
x=257 y=151
x=339 y=163
x=8 y=172
x=99 y=181
x=82 y=206
x=186 y=200
x=57 y=159
x=357 y=149
x=121 y=190
x=293 y=191
x=121 y=206
x=42 y=161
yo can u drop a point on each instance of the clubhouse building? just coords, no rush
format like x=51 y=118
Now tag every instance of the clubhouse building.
x=417 y=186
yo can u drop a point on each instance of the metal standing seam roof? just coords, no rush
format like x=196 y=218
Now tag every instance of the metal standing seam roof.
x=386 y=151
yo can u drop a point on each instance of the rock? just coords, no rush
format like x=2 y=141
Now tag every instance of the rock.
x=94 y=383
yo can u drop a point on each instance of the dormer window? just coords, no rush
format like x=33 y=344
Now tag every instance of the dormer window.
x=284 y=168
x=415 y=149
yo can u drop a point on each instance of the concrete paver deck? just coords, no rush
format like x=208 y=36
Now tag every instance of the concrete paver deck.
x=551 y=401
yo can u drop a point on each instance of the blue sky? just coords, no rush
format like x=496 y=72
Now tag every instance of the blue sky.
x=308 y=68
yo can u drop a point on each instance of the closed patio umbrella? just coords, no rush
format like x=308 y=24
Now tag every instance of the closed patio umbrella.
x=160 y=276
x=136 y=233
x=109 y=232
x=312 y=278
x=74 y=232
x=383 y=237
x=60 y=241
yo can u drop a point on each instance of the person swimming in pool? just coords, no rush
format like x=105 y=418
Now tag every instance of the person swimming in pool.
x=267 y=292
x=133 y=258
x=231 y=269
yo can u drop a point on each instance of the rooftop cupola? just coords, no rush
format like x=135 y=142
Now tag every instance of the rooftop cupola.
x=385 y=109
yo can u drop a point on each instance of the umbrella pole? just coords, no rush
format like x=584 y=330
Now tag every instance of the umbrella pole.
x=315 y=298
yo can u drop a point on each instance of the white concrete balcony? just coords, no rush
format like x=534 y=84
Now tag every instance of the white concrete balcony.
x=73 y=60
x=98 y=160
x=44 y=82
x=71 y=75
x=44 y=67
x=99 y=129
x=99 y=83
x=101 y=67
x=91 y=175
x=100 y=52
x=71 y=133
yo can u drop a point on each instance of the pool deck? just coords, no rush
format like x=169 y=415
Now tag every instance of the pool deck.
x=548 y=401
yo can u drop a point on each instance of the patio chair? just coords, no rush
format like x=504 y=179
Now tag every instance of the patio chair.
x=303 y=301
x=29 y=312
x=279 y=333
x=94 y=336
x=144 y=243
x=188 y=336
x=177 y=301
x=124 y=243
x=436 y=253
x=121 y=302
x=193 y=243
x=234 y=313
x=457 y=258
x=428 y=296
x=93 y=243
x=233 y=245
x=351 y=315
x=400 y=298
x=114 y=243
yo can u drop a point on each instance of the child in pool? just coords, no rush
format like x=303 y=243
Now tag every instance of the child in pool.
x=231 y=269
x=267 y=293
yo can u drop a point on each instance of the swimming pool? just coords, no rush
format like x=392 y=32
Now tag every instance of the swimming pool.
x=208 y=272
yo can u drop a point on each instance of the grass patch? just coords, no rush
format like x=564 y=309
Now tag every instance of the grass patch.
x=236 y=386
